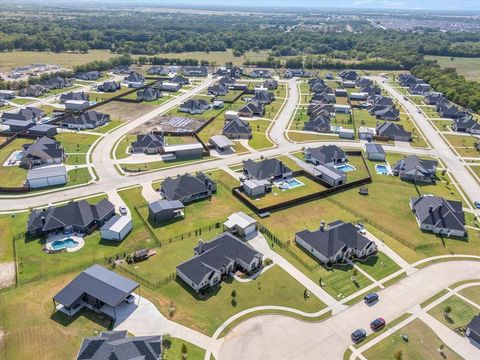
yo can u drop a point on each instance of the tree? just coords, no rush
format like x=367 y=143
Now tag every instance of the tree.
x=184 y=350
x=398 y=355
x=234 y=293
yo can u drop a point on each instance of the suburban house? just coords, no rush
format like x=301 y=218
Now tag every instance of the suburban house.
x=237 y=129
x=148 y=144
x=18 y=125
x=268 y=169
x=323 y=97
x=97 y=289
x=318 y=123
x=330 y=175
x=407 y=79
x=167 y=86
x=233 y=71
x=255 y=188
x=412 y=168
x=290 y=73
x=56 y=83
x=179 y=79
x=79 y=216
x=43 y=130
x=195 y=71
x=371 y=90
x=134 y=80
x=90 y=119
x=366 y=133
x=88 y=75
x=161 y=211
x=336 y=243
x=432 y=98
x=109 y=86
x=375 y=152
x=117 y=228
x=156 y=70
x=73 y=96
x=44 y=151
x=260 y=73
x=251 y=108
x=419 y=89
x=121 y=69
x=188 y=188
x=27 y=114
x=348 y=75
x=217 y=258
x=380 y=100
x=240 y=224
x=7 y=94
x=388 y=113
x=33 y=91
x=317 y=109
x=117 y=345
x=46 y=176
x=473 y=329
x=440 y=216
x=263 y=96
x=219 y=89
x=392 y=131
x=363 y=82
x=447 y=109
x=194 y=106
x=270 y=84
x=466 y=124
x=149 y=94
x=328 y=155
x=227 y=80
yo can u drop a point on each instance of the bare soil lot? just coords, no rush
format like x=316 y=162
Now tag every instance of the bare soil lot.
x=125 y=111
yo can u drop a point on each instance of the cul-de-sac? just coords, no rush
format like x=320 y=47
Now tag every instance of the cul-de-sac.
x=239 y=181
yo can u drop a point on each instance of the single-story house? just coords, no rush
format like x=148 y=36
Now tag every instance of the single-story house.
x=328 y=155
x=251 y=108
x=149 y=94
x=195 y=71
x=134 y=80
x=44 y=151
x=46 y=176
x=109 y=86
x=289 y=73
x=88 y=75
x=363 y=82
x=366 y=133
x=237 y=129
x=270 y=84
x=117 y=345
x=76 y=105
x=43 y=130
x=18 y=125
x=388 y=113
x=73 y=96
x=473 y=329
x=214 y=259
x=375 y=152
x=180 y=80
x=148 y=144
x=412 y=168
x=221 y=142
x=392 y=131
x=267 y=169
x=240 y=224
x=194 y=106
x=466 y=124
x=254 y=188
x=95 y=288
x=419 y=89
x=121 y=69
x=263 y=96
x=318 y=123
x=79 y=216
x=156 y=70
x=188 y=188
x=33 y=91
x=27 y=114
x=57 y=82
x=90 y=119
x=219 y=89
x=371 y=90
x=160 y=211
x=432 y=98
x=260 y=73
x=336 y=243
x=117 y=228
x=440 y=216
x=348 y=75
x=330 y=175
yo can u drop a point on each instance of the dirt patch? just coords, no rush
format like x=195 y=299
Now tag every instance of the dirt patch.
x=125 y=111
x=172 y=124
x=7 y=274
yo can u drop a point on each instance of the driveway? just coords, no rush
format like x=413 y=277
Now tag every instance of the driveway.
x=280 y=337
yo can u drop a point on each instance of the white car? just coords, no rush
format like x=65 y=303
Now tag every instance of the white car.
x=123 y=210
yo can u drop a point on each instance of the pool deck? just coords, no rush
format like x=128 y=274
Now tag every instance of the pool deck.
x=61 y=237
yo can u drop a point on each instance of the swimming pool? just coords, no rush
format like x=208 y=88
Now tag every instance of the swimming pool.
x=345 y=167
x=291 y=184
x=18 y=156
x=382 y=169
x=64 y=244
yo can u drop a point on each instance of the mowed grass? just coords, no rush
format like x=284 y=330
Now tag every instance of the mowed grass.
x=423 y=344
x=174 y=351
x=472 y=293
x=6 y=243
x=123 y=145
x=467 y=67
x=259 y=138
x=305 y=137
x=76 y=142
x=379 y=266
x=155 y=165
x=29 y=325
x=12 y=176
x=460 y=315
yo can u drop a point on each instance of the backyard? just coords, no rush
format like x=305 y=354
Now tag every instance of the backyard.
x=12 y=176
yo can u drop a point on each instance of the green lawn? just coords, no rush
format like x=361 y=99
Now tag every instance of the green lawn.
x=271 y=110
x=416 y=99
x=430 y=111
x=423 y=344
x=122 y=146
x=154 y=165
x=231 y=95
x=301 y=137
x=472 y=293
x=174 y=350
x=467 y=67
x=78 y=176
x=76 y=142
x=460 y=315
x=363 y=118
x=74 y=159
x=21 y=101
x=12 y=176
x=379 y=266
x=464 y=145
x=109 y=126
x=259 y=138
x=6 y=243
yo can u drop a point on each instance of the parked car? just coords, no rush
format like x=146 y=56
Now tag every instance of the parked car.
x=377 y=324
x=358 y=335
x=477 y=204
x=123 y=210
x=369 y=298
x=130 y=299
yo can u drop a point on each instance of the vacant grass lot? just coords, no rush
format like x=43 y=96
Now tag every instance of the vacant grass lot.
x=301 y=137
x=160 y=164
x=76 y=142
x=112 y=124
x=463 y=144
x=423 y=344
x=125 y=111
x=21 y=101
x=12 y=176
x=467 y=67
x=76 y=159
x=460 y=315
x=101 y=96
x=430 y=111
x=272 y=109
x=78 y=176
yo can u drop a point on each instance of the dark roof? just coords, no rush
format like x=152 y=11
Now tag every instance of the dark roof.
x=318 y=123
x=474 y=324
x=29 y=113
x=413 y=163
x=135 y=77
x=263 y=96
x=326 y=154
x=195 y=104
x=236 y=126
x=252 y=107
x=265 y=169
x=185 y=185
x=149 y=141
x=160 y=205
x=467 y=123
x=335 y=237
x=390 y=129
x=89 y=117
x=437 y=211
x=149 y=94
x=108 y=86
x=44 y=148
x=382 y=100
x=79 y=213
x=374 y=148
x=216 y=254
x=96 y=281
x=115 y=345
x=179 y=79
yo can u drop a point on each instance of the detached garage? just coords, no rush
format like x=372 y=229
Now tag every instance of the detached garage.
x=117 y=228
x=47 y=176
x=240 y=224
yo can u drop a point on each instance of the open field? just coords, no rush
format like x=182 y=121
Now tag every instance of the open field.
x=463 y=144
x=460 y=315
x=423 y=344
x=467 y=67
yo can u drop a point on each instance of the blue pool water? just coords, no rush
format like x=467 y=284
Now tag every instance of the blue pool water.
x=346 y=167
x=18 y=156
x=291 y=183
x=64 y=244
x=381 y=169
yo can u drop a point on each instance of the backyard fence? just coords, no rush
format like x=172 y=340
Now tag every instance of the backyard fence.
x=148 y=226
x=151 y=285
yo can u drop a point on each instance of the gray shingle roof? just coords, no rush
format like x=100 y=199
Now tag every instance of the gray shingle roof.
x=374 y=148
x=474 y=324
x=236 y=126
x=185 y=185
x=149 y=141
x=439 y=212
x=44 y=148
x=160 y=205
x=390 y=129
x=327 y=153
x=265 y=169
x=413 y=163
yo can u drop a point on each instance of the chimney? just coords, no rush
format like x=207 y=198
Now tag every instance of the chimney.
x=322 y=225
x=430 y=208
x=43 y=220
x=200 y=246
